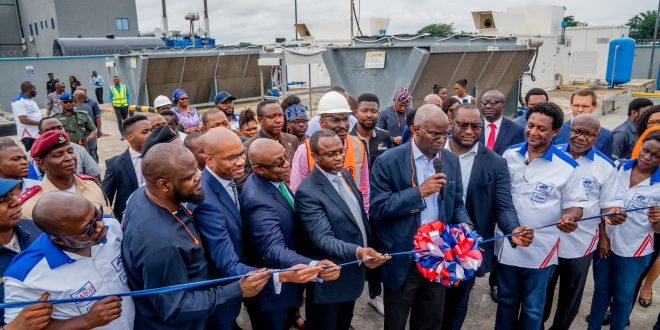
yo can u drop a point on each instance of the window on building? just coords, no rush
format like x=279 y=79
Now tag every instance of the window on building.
x=31 y=30
x=122 y=24
x=46 y=24
x=36 y=29
x=52 y=23
x=42 y=24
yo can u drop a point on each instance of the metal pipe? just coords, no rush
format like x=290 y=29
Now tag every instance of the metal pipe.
x=207 y=29
x=614 y=65
x=655 y=35
x=164 y=20
x=350 y=14
x=295 y=19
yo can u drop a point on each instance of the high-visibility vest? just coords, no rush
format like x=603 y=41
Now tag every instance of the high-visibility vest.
x=119 y=97
x=353 y=159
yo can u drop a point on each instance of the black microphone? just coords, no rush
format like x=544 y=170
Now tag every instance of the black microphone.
x=437 y=165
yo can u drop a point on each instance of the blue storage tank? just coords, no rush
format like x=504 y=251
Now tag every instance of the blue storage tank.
x=620 y=61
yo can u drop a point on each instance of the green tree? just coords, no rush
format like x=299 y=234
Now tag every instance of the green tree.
x=439 y=29
x=572 y=22
x=244 y=44
x=642 y=25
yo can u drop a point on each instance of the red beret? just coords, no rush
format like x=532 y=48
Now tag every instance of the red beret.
x=48 y=141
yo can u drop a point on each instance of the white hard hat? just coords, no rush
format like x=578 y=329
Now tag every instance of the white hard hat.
x=333 y=102
x=162 y=100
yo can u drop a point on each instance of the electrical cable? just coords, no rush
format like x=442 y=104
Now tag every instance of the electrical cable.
x=357 y=21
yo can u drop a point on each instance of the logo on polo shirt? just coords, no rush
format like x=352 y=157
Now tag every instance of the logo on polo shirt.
x=541 y=192
x=638 y=200
x=119 y=268
x=87 y=290
x=588 y=184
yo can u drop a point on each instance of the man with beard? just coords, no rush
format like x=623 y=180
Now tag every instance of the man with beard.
x=26 y=112
x=334 y=110
x=163 y=247
x=225 y=103
x=487 y=197
x=297 y=122
x=499 y=133
x=271 y=118
x=214 y=118
x=53 y=153
x=375 y=140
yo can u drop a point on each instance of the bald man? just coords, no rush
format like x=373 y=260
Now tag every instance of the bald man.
x=433 y=99
x=576 y=250
x=405 y=192
x=269 y=213
x=74 y=231
x=499 y=133
x=163 y=247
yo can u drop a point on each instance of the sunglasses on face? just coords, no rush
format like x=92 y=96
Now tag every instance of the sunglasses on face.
x=66 y=101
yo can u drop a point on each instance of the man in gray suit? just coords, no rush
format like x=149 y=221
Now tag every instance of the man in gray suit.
x=330 y=208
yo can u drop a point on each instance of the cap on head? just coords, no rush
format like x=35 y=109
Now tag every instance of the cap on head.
x=162 y=100
x=402 y=95
x=66 y=96
x=48 y=141
x=295 y=110
x=333 y=102
x=7 y=185
x=222 y=97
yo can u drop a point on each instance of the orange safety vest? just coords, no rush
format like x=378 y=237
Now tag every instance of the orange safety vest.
x=353 y=160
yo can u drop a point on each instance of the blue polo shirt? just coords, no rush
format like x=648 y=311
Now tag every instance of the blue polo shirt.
x=392 y=121
x=158 y=251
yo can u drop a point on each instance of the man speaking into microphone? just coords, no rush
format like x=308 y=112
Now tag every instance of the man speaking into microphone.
x=406 y=192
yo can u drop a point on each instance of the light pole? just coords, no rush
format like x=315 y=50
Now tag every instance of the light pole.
x=295 y=16
x=655 y=35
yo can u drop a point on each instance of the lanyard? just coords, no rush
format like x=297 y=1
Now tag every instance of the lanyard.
x=153 y=199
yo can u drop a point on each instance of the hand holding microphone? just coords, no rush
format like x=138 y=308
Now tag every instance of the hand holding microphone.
x=435 y=183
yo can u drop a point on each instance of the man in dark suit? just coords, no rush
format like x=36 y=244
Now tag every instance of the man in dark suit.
x=499 y=133
x=406 y=194
x=487 y=196
x=585 y=101
x=219 y=220
x=271 y=119
x=331 y=210
x=269 y=215
x=123 y=173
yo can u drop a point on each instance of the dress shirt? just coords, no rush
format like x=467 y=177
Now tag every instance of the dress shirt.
x=423 y=170
x=136 y=159
x=225 y=184
x=466 y=160
x=498 y=125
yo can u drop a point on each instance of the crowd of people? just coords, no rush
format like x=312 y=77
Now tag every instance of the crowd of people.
x=279 y=201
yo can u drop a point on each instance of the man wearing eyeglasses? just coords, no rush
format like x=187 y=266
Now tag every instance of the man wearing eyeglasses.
x=53 y=153
x=406 y=193
x=334 y=111
x=77 y=256
x=77 y=124
x=585 y=101
x=487 y=197
x=499 y=133
x=576 y=250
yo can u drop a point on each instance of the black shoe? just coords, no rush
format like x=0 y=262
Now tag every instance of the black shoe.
x=607 y=320
x=493 y=293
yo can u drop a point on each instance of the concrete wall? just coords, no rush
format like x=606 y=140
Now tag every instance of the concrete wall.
x=10 y=39
x=14 y=72
x=642 y=61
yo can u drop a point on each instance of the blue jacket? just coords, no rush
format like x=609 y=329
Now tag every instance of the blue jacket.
x=604 y=143
x=276 y=236
x=158 y=251
x=334 y=233
x=392 y=121
x=510 y=133
x=489 y=198
x=396 y=206
x=222 y=239
x=26 y=232
x=119 y=182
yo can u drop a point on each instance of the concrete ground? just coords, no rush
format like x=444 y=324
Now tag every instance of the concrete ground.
x=481 y=314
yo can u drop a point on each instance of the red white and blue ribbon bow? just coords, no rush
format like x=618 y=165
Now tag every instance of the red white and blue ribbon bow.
x=453 y=252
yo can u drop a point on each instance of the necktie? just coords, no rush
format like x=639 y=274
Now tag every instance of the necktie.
x=232 y=184
x=491 y=137
x=285 y=193
x=138 y=174
x=347 y=196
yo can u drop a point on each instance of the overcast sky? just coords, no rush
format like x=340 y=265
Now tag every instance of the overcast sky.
x=261 y=21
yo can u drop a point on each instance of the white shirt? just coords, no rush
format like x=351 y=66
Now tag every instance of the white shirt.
x=23 y=106
x=498 y=125
x=13 y=244
x=540 y=189
x=467 y=99
x=44 y=267
x=423 y=170
x=467 y=161
x=634 y=238
x=136 y=159
x=602 y=186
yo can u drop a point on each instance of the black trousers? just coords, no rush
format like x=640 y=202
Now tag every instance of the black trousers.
x=422 y=299
x=335 y=316
x=572 y=275
x=121 y=113
x=99 y=94
x=267 y=320
x=456 y=305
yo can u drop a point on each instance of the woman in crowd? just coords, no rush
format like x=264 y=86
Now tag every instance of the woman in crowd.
x=74 y=83
x=248 y=124
x=440 y=91
x=626 y=249
x=449 y=105
x=189 y=120
x=461 y=92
